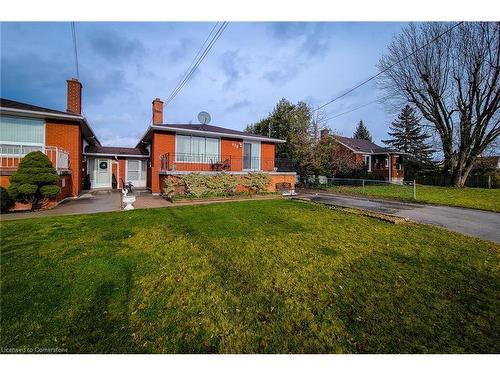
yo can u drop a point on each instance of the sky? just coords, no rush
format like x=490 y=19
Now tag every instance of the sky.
x=124 y=66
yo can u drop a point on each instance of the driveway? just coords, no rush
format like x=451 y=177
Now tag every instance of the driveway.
x=476 y=223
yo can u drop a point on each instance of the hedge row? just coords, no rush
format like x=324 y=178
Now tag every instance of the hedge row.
x=222 y=184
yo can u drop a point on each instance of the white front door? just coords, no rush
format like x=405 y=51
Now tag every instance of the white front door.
x=102 y=173
x=136 y=172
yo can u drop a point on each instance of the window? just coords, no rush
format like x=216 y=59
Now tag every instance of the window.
x=20 y=136
x=387 y=162
x=193 y=149
x=368 y=162
x=251 y=156
x=399 y=163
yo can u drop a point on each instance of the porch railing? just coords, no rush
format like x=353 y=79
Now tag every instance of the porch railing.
x=11 y=156
x=170 y=162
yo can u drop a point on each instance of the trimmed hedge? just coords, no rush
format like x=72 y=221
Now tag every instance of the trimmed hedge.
x=220 y=185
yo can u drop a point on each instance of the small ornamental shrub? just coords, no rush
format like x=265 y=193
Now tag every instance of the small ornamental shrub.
x=257 y=182
x=5 y=200
x=34 y=181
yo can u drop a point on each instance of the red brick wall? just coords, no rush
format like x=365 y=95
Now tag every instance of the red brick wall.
x=67 y=135
x=233 y=149
x=66 y=190
x=162 y=143
x=5 y=181
x=267 y=156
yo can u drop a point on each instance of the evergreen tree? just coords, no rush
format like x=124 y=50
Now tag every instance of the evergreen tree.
x=407 y=135
x=35 y=180
x=362 y=132
x=293 y=123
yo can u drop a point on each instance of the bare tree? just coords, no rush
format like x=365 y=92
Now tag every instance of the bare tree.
x=453 y=78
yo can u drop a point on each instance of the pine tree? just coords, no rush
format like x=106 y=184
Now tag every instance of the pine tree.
x=35 y=180
x=362 y=132
x=407 y=135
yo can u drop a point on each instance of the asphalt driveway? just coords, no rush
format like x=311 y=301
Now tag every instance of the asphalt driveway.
x=476 y=223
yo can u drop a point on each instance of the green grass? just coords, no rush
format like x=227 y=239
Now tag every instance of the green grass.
x=272 y=276
x=483 y=199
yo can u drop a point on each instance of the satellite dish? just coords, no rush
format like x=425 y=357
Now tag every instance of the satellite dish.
x=204 y=117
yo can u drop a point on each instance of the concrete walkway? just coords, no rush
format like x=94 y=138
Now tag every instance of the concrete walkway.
x=476 y=223
x=88 y=203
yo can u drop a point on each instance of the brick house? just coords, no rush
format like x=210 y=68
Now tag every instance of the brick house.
x=60 y=135
x=165 y=149
x=381 y=163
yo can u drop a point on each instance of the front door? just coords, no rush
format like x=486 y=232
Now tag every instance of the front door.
x=102 y=173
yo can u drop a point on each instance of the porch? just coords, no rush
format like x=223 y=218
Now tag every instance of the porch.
x=171 y=163
x=387 y=167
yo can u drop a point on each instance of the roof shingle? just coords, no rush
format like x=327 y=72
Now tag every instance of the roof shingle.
x=12 y=104
x=116 y=150
x=362 y=145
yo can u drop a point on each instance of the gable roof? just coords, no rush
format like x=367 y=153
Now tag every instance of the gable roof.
x=362 y=145
x=15 y=108
x=204 y=129
x=105 y=150
x=12 y=104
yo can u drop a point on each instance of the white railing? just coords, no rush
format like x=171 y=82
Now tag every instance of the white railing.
x=10 y=159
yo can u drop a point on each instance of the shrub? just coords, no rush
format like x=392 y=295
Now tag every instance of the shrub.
x=5 y=200
x=257 y=182
x=195 y=184
x=170 y=187
x=223 y=184
x=35 y=180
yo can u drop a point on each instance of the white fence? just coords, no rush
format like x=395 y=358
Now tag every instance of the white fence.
x=10 y=158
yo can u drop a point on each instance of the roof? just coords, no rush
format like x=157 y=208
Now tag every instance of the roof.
x=15 y=108
x=204 y=128
x=104 y=150
x=12 y=104
x=487 y=162
x=363 y=145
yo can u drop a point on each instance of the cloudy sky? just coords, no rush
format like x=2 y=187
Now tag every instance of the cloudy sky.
x=124 y=66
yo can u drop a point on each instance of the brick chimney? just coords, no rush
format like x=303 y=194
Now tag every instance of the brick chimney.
x=157 y=111
x=74 y=100
x=324 y=133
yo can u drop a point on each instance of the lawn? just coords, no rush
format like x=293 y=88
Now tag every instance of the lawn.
x=273 y=276
x=483 y=199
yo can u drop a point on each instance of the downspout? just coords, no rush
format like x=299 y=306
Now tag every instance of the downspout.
x=389 y=163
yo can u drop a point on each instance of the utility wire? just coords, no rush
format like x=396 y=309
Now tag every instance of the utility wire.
x=389 y=67
x=193 y=61
x=198 y=59
x=73 y=33
x=356 y=108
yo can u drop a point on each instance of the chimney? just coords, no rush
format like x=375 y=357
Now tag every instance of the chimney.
x=157 y=111
x=324 y=133
x=74 y=100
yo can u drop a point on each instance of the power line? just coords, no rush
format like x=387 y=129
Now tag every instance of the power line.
x=193 y=61
x=73 y=33
x=389 y=67
x=198 y=59
x=355 y=109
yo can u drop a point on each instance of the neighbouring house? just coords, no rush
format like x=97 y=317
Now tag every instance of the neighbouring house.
x=60 y=135
x=381 y=163
x=487 y=164
x=165 y=149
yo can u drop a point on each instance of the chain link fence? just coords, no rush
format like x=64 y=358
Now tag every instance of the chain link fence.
x=377 y=188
